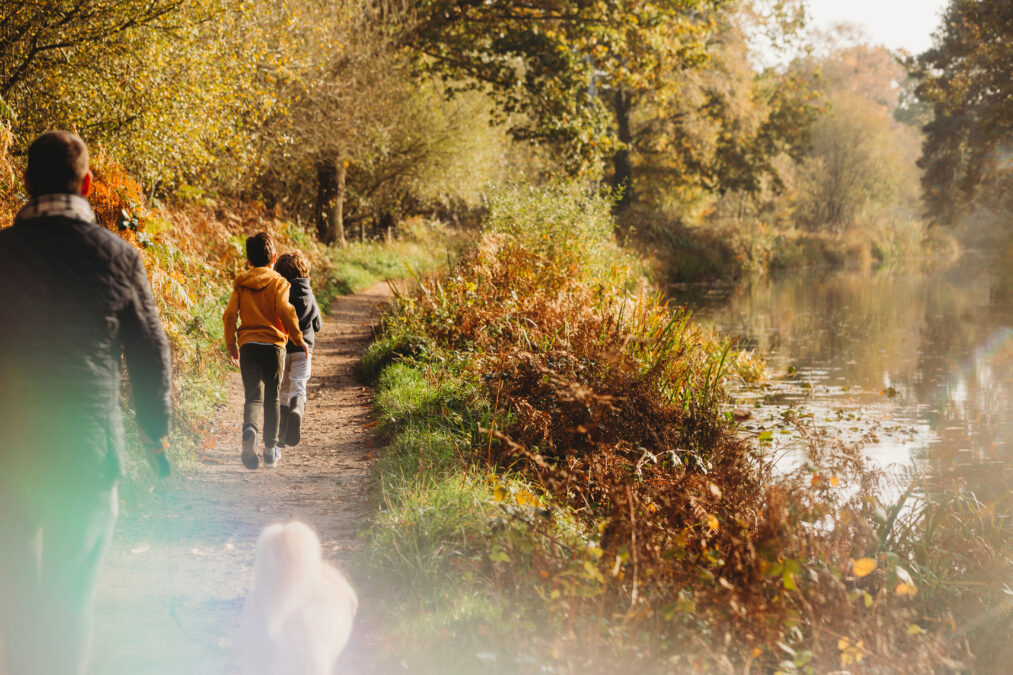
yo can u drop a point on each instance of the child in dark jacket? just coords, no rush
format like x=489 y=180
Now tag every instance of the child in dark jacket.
x=296 y=269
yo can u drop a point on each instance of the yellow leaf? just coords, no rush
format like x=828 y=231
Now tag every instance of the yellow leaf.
x=915 y=629
x=850 y=652
x=906 y=590
x=499 y=493
x=835 y=481
x=863 y=566
x=712 y=523
x=757 y=652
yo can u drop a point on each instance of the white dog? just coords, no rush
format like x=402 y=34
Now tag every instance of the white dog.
x=299 y=613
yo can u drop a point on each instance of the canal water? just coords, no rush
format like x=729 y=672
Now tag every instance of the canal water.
x=914 y=363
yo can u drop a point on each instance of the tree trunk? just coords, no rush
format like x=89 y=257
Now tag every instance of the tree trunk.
x=622 y=166
x=330 y=204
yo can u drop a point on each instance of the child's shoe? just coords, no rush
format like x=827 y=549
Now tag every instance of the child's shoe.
x=272 y=457
x=293 y=430
x=250 y=459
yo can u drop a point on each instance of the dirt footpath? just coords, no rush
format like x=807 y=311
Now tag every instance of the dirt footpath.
x=173 y=585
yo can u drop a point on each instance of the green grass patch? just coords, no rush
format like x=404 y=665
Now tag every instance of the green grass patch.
x=419 y=248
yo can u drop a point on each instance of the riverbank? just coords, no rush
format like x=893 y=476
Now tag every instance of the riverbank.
x=734 y=250
x=560 y=492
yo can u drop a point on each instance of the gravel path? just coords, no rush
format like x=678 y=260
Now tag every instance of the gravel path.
x=181 y=562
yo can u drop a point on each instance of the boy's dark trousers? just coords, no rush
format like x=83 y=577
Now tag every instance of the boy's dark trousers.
x=261 y=367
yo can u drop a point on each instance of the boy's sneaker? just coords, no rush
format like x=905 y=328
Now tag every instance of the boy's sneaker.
x=293 y=428
x=272 y=457
x=250 y=459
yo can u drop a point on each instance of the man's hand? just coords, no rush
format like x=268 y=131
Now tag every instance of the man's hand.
x=234 y=356
x=306 y=350
x=155 y=452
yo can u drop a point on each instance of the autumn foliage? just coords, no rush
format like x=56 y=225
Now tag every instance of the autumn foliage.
x=603 y=406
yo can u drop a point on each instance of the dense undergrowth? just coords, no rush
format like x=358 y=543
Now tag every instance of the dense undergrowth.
x=192 y=250
x=561 y=494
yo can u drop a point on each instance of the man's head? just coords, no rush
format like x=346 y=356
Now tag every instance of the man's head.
x=260 y=251
x=58 y=163
x=293 y=265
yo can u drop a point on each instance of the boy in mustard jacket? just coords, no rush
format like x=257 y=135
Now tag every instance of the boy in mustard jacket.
x=266 y=323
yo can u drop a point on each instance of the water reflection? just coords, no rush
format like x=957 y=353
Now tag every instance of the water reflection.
x=917 y=362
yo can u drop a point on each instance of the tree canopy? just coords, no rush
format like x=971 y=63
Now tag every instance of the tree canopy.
x=556 y=62
x=966 y=79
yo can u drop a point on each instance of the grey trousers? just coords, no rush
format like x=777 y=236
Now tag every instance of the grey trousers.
x=52 y=541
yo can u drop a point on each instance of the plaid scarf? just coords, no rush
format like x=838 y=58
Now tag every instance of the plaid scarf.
x=67 y=205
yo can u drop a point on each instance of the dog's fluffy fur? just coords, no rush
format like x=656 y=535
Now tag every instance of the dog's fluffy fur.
x=299 y=613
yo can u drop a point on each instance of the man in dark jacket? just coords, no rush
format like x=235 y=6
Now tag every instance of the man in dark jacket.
x=73 y=298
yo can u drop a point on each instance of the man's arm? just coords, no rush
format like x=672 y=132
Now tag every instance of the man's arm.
x=148 y=362
x=230 y=318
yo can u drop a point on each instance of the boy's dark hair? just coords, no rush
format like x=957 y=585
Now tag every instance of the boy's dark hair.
x=57 y=163
x=260 y=249
x=293 y=265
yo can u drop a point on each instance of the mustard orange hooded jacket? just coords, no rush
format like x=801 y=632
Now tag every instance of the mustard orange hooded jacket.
x=260 y=302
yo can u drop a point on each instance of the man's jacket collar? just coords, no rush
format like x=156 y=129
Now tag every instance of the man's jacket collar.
x=62 y=205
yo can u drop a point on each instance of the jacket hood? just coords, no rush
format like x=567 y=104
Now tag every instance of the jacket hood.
x=257 y=278
x=302 y=283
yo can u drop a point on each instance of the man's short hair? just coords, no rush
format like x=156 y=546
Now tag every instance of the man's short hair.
x=57 y=163
x=293 y=265
x=260 y=249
